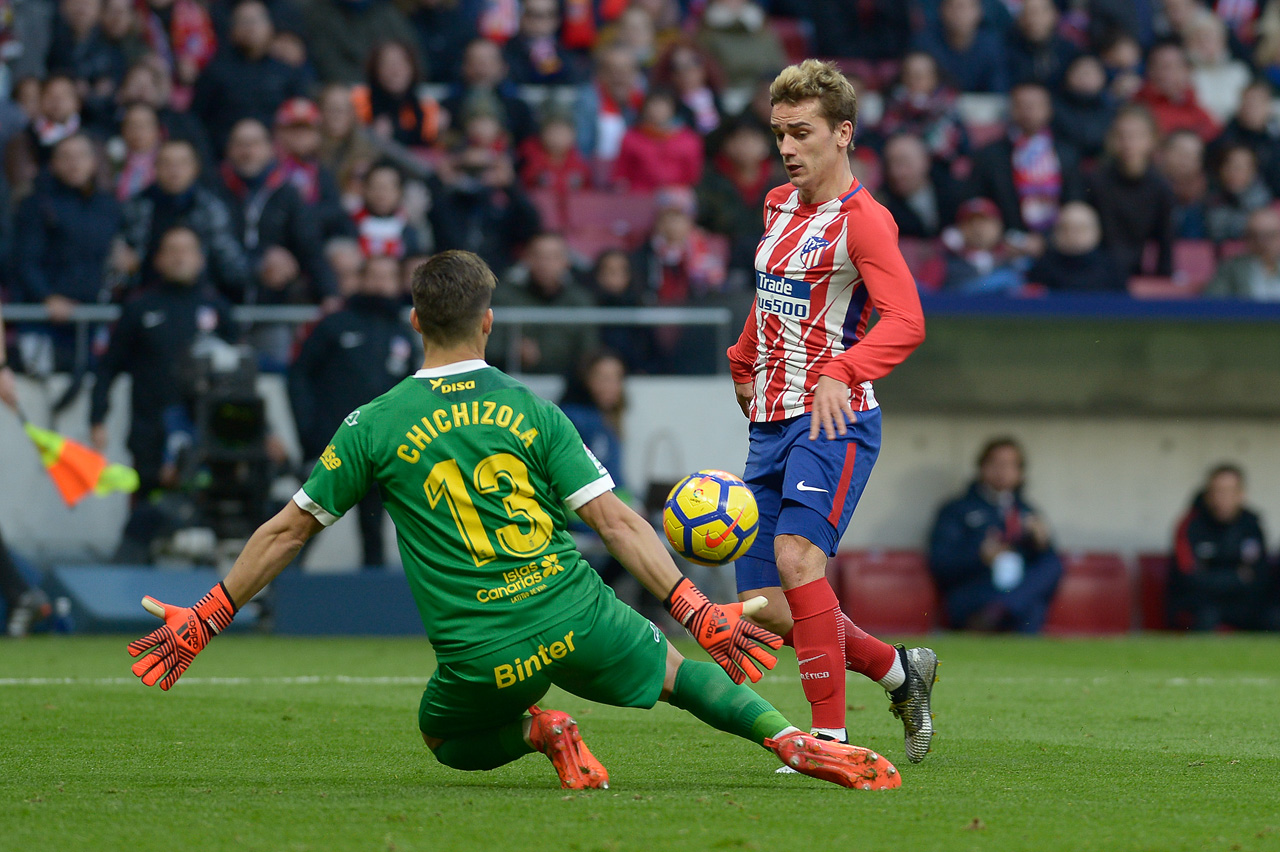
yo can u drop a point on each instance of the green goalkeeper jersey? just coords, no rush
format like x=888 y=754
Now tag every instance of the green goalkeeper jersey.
x=479 y=475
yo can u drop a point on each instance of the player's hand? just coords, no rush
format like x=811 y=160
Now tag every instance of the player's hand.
x=831 y=409
x=745 y=391
x=170 y=649
x=722 y=631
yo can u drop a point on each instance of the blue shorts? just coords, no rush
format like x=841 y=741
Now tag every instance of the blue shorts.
x=805 y=488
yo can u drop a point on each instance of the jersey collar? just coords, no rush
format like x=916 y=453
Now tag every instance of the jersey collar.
x=469 y=366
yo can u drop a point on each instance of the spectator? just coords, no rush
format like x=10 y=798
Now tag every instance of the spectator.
x=146 y=83
x=535 y=56
x=1266 y=50
x=342 y=35
x=691 y=73
x=176 y=200
x=181 y=34
x=979 y=259
x=152 y=342
x=921 y=105
x=878 y=29
x=298 y=141
x=732 y=192
x=679 y=265
x=279 y=234
x=1240 y=190
x=1084 y=109
x=636 y=30
x=82 y=52
x=1253 y=126
x=1169 y=95
x=482 y=208
x=140 y=135
x=63 y=235
x=1029 y=173
x=734 y=32
x=382 y=226
x=1218 y=79
x=30 y=150
x=922 y=200
x=1181 y=164
x=1075 y=260
x=1037 y=54
x=1254 y=275
x=551 y=161
x=1132 y=199
x=614 y=285
x=1220 y=576
x=970 y=55
x=445 y=28
x=1121 y=56
x=345 y=146
x=608 y=105
x=244 y=80
x=353 y=356
x=659 y=150
x=485 y=72
x=990 y=550
x=544 y=278
x=119 y=28
x=347 y=262
x=389 y=102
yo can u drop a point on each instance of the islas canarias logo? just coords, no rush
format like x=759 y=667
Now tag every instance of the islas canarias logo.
x=450 y=387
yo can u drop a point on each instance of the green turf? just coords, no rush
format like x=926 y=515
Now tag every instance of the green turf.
x=1135 y=744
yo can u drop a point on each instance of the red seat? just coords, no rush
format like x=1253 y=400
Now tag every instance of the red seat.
x=924 y=259
x=793 y=34
x=1153 y=585
x=552 y=209
x=1095 y=595
x=1194 y=263
x=1159 y=287
x=1228 y=249
x=886 y=591
x=621 y=219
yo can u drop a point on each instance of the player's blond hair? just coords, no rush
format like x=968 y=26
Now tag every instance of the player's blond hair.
x=837 y=100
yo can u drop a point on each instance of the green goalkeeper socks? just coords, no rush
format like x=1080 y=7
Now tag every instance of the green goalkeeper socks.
x=707 y=692
x=485 y=749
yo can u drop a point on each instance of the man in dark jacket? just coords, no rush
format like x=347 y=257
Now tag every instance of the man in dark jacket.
x=990 y=551
x=176 y=199
x=353 y=356
x=922 y=199
x=1029 y=173
x=1076 y=261
x=1252 y=127
x=534 y=55
x=63 y=236
x=152 y=342
x=1220 y=574
x=1036 y=53
x=80 y=51
x=279 y=234
x=244 y=80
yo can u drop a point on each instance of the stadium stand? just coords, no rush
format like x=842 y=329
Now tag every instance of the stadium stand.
x=886 y=591
x=1094 y=596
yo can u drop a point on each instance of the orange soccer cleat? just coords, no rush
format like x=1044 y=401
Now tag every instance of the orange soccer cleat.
x=555 y=734
x=846 y=765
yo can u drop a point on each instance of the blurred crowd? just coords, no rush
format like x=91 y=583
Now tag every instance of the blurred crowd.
x=617 y=152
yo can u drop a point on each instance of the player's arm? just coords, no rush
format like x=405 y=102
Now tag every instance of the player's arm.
x=742 y=359
x=873 y=247
x=719 y=628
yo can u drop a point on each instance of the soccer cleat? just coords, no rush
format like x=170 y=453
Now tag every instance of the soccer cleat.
x=914 y=709
x=787 y=770
x=32 y=608
x=846 y=765
x=555 y=734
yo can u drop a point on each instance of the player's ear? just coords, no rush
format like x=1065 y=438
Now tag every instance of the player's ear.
x=413 y=320
x=486 y=323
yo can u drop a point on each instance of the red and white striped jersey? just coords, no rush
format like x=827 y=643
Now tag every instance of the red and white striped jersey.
x=821 y=269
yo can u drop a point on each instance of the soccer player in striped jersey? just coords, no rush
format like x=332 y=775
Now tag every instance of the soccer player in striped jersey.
x=802 y=370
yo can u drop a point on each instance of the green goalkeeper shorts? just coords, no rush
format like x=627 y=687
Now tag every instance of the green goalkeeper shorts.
x=605 y=652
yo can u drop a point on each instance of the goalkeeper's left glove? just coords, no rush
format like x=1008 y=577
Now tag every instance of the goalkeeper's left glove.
x=721 y=630
x=171 y=648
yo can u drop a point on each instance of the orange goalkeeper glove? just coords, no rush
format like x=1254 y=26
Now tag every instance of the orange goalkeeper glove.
x=171 y=648
x=722 y=632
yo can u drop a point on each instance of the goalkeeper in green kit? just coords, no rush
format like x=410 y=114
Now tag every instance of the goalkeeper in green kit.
x=480 y=475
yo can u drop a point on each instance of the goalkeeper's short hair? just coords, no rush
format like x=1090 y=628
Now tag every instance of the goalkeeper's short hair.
x=451 y=292
x=838 y=102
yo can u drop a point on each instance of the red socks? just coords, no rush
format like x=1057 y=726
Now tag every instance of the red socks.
x=863 y=653
x=819 y=641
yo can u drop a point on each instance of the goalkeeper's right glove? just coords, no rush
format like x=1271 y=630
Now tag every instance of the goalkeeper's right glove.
x=721 y=630
x=171 y=648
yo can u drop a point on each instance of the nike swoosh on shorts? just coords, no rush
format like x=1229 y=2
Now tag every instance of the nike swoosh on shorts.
x=800 y=486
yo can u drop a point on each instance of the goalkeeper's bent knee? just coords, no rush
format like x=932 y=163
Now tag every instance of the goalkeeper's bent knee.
x=487 y=749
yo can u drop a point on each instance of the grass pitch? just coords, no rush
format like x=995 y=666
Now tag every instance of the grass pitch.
x=308 y=744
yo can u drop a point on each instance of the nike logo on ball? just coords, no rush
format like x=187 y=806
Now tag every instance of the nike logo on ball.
x=800 y=486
